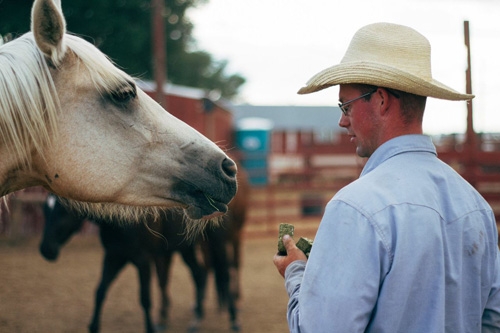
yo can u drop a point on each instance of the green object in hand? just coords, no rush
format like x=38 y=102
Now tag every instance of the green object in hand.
x=305 y=245
x=285 y=229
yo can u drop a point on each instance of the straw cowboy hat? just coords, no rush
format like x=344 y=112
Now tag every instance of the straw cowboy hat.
x=386 y=55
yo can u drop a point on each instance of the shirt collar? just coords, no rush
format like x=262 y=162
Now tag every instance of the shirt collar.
x=398 y=145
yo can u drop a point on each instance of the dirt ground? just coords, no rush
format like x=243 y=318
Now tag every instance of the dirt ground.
x=39 y=296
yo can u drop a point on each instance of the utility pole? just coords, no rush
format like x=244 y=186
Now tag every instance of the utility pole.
x=471 y=140
x=159 y=49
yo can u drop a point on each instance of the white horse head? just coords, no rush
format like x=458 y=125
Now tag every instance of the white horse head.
x=77 y=125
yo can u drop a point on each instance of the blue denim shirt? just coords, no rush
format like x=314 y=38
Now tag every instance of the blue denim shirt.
x=408 y=247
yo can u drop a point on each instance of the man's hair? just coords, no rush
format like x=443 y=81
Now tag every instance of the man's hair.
x=412 y=106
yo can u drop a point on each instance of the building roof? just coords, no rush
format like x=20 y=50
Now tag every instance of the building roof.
x=294 y=118
x=187 y=92
x=283 y=118
x=174 y=89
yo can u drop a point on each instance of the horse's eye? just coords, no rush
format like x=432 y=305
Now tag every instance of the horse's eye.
x=124 y=94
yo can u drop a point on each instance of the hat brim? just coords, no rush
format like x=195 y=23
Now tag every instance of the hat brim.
x=383 y=76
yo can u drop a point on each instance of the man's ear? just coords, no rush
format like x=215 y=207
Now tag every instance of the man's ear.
x=385 y=100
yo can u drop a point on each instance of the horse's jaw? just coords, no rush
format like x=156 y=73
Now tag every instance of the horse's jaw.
x=15 y=177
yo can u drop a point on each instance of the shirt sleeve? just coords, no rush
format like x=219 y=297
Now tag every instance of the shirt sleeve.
x=293 y=278
x=491 y=314
x=337 y=289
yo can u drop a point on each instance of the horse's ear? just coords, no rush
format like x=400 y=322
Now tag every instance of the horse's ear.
x=48 y=27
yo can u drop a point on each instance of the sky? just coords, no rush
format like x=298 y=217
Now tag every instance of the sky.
x=277 y=45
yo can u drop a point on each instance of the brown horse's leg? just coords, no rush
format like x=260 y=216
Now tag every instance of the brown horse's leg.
x=234 y=280
x=221 y=254
x=163 y=263
x=234 y=265
x=112 y=265
x=199 y=275
x=144 y=269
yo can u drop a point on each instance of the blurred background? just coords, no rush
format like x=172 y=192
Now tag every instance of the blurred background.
x=231 y=70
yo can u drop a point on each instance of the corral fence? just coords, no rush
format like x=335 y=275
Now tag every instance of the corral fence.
x=298 y=198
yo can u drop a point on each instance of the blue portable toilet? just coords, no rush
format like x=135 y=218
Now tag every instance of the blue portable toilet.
x=253 y=139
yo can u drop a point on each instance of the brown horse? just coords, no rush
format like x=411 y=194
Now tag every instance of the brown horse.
x=75 y=124
x=138 y=245
x=222 y=249
x=124 y=244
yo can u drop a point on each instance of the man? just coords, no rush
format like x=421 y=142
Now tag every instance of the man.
x=410 y=246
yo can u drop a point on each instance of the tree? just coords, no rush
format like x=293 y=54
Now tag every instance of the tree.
x=122 y=30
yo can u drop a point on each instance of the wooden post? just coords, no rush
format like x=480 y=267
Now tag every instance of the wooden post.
x=471 y=140
x=159 y=52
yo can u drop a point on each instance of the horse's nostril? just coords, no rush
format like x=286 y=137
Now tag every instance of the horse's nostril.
x=229 y=167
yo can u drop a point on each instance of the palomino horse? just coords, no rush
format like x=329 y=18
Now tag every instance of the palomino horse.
x=75 y=124
x=138 y=245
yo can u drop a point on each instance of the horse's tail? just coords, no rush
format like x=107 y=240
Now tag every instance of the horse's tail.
x=222 y=284
x=220 y=263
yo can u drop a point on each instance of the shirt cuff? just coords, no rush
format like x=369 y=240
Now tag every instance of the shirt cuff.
x=293 y=275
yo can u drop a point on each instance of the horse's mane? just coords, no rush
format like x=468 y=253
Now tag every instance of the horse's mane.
x=29 y=104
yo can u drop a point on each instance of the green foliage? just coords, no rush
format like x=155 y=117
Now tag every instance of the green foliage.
x=122 y=30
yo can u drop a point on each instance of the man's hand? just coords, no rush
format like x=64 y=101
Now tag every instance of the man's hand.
x=293 y=254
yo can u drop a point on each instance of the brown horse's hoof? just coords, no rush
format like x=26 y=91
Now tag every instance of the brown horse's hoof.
x=235 y=326
x=194 y=326
x=161 y=327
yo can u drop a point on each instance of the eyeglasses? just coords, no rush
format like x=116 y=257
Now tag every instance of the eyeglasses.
x=343 y=105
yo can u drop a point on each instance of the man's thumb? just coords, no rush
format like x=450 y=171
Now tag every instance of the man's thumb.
x=288 y=242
